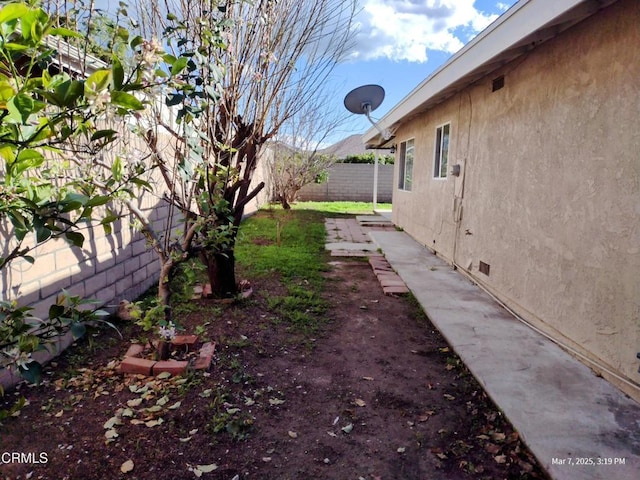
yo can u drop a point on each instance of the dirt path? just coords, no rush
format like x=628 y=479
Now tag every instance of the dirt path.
x=375 y=395
x=381 y=397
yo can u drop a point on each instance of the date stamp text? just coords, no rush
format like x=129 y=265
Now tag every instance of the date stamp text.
x=588 y=461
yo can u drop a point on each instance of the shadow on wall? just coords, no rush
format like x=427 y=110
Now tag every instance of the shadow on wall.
x=108 y=268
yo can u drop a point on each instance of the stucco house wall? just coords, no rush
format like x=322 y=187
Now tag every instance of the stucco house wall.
x=549 y=190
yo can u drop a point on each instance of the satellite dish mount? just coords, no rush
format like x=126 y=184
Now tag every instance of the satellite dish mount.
x=364 y=100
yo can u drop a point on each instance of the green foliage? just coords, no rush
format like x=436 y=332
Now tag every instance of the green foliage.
x=48 y=122
x=13 y=410
x=43 y=116
x=21 y=334
x=300 y=254
x=225 y=418
x=343 y=208
x=368 y=158
x=299 y=260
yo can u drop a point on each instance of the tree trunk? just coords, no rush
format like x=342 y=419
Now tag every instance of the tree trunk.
x=222 y=273
x=164 y=297
x=284 y=203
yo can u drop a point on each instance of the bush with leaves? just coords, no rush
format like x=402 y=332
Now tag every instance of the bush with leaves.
x=49 y=116
x=367 y=158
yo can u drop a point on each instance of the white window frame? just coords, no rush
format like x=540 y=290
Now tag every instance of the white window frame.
x=405 y=175
x=441 y=150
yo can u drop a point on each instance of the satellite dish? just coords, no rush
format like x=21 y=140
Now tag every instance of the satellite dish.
x=364 y=100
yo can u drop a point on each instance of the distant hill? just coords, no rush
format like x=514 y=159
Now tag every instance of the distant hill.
x=351 y=145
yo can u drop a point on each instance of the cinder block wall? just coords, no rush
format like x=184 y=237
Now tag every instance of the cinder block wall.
x=108 y=268
x=351 y=182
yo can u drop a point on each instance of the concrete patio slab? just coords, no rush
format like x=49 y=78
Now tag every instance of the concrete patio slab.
x=577 y=425
x=357 y=246
x=373 y=220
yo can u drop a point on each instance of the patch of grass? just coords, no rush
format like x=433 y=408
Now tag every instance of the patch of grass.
x=289 y=244
x=346 y=208
x=296 y=248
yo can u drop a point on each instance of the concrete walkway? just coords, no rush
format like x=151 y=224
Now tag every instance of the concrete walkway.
x=576 y=424
x=563 y=412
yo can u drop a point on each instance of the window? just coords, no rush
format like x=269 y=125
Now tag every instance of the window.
x=442 y=151
x=406 y=165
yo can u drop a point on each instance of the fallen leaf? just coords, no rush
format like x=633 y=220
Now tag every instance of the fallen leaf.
x=193 y=432
x=153 y=409
x=113 y=421
x=401 y=450
x=331 y=434
x=444 y=349
x=127 y=412
x=207 y=468
x=110 y=434
x=134 y=403
x=154 y=423
x=426 y=415
x=175 y=406
x=127 y=466
x=492 y=448
x=347 y=428
x=185 y=439
x=136 y=422
x=163 y=375
x=449 y=397
x=359 y=402
x=206 y=393
x=498 y=436
x=163 y=400
x=266 y=459
x=369 y=379
x=500 y=458
x=275 y=401
x=441 y=456
x=292 y=434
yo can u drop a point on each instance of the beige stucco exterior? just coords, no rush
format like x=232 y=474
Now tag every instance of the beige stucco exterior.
x=549 y=190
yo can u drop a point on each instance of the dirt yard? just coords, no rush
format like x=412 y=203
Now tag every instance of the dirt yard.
x=375 y=393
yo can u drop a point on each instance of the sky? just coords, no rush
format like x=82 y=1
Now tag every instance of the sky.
x=400 y=43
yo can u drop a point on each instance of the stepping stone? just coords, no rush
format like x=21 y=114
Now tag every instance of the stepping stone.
x=395 y=290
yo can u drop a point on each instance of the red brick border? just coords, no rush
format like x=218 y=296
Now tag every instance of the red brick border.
x=132 y=363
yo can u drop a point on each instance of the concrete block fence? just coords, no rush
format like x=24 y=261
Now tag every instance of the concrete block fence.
x=108 y=268
x=351 y=182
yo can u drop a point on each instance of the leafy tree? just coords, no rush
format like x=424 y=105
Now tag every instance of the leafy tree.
x=47 y=115
x=298 y=158
x=248 y=68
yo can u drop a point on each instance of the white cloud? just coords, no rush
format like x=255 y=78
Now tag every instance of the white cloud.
x=408 y=29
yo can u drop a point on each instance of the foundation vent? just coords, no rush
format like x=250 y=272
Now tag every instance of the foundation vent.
x=484 y=268
x=497 y=83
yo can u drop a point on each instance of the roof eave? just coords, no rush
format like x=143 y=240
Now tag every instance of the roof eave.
x=521 y=28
